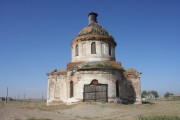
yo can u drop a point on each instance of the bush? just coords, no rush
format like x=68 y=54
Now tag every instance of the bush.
x=166 y=95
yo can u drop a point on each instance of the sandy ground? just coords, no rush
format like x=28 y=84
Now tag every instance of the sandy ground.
x=36 y=110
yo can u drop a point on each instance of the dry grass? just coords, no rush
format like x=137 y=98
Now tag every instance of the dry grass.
x=159 y=118
x=37 y=105
x=37 y=110
x=33 y=118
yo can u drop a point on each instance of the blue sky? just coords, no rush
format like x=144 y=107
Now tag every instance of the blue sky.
x=35 y=38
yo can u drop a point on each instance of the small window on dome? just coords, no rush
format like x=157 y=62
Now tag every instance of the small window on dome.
x=93 y=48
x=109 y=49
x=76 y=50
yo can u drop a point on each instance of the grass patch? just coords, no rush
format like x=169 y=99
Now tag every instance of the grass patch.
x=45 y=108
x=52 y=108
x=33 y=118
x=159 y=118
x=17 y=119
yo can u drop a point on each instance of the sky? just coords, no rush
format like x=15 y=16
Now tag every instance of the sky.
x=36 y=35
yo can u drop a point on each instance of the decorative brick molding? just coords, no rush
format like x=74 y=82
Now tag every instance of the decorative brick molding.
x=73 y=64
x=58 y=72
x=131 y=74
x=107 y=39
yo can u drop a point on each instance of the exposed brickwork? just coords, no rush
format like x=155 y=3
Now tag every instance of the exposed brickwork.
x=131 y=85
x=95 y=29
x=114 y=63
x=131 y=74
x=106 y=39
x=58 y=72
x=73 y=64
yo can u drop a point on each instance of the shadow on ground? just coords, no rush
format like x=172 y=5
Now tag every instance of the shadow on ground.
x=147 y=102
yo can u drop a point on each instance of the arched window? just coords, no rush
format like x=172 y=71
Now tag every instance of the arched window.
x=76 y=50
x=93 y=48
x=117 y=88
x=94 y=82
x=109 y=49
x=71 y=89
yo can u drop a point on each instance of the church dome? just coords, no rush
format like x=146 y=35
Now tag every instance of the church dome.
x=93 y=43
x=94 y=28
x=94 y=31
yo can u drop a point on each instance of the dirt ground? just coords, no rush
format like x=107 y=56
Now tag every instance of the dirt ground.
x=37 y=110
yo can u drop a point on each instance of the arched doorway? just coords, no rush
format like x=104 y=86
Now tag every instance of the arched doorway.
x=95 y=92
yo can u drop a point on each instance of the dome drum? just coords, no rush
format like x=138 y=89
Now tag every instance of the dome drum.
x=93 y=43
x=93 y=50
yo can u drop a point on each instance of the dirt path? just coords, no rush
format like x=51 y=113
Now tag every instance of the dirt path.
x=12 y=113
x=86 y=111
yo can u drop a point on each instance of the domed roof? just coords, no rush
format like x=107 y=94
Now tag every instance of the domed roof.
x=94 y=31
x=94 y=28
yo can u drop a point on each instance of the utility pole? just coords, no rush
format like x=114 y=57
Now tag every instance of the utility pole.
x=18 y=96
x=7 y=95
x=42 y=97
x=24 y=96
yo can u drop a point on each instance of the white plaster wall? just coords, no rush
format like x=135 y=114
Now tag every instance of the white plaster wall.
x=51 y=88
x=57 y=88
x=48 y=97
x=108 y=77
x=85 y=52
x=63 y=87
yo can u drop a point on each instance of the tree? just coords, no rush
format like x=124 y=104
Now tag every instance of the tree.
x=167 y=94
x=155 y=93
x=144 y=93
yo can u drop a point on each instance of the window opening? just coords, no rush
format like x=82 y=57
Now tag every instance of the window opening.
x=117 y=88
x=93 y=48
x=71 y=89
x=76 y=50
x=109 y=49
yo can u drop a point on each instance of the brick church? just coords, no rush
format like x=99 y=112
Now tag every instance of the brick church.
x=93 y=73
